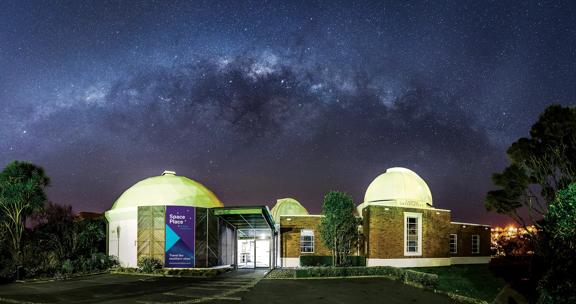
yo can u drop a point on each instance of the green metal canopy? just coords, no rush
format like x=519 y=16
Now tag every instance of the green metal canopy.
x=246 y=217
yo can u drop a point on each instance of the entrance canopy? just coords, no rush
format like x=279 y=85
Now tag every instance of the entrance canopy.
x=246 y=217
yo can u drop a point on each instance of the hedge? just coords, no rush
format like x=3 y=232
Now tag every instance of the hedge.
x=427 y=280
x=320 y=260
x=177 y=272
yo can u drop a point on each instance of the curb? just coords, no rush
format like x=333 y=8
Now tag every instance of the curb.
x=62 y=279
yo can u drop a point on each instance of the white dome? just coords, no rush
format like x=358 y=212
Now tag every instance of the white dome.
x=167 y=189
x=399 y=186
x=287 y=206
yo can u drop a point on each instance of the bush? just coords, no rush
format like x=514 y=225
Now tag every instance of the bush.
x=427 y=280
x=315 y=260
x=7 y=272
x=96 y=263
x=319 y=260
x=198 y=272
x=407 y=276
x=67 y=267
x=149 y=265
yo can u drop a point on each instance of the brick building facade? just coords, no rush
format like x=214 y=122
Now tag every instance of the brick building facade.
x=400 y=227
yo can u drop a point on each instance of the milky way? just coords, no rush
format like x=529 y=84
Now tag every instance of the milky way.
x=261 y=101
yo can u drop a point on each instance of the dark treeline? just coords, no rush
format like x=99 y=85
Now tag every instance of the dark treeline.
x=39 y=238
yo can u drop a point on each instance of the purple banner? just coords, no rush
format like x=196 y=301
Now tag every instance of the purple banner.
x=180 y=237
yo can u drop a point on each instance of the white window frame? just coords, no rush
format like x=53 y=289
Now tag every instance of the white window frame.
x=307 y=233
x=418 y=217
x=455 y=243
x=475 y=241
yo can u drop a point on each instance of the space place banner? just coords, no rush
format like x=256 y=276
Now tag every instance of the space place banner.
x=180 y=236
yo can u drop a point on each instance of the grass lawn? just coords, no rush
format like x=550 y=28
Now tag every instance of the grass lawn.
x=474 y=281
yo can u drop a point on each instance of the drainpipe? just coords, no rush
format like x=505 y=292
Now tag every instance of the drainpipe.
x=118 y=236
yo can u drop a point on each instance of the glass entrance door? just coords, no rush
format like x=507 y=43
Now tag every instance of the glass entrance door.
x=262 y=253
x=245 y=253
x=253 y=248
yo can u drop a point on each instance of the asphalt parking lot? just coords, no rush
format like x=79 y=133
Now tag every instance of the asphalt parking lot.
x=118 y=288
x=234 y=287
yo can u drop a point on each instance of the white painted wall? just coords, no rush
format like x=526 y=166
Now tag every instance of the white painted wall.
x=290 y=262
x=126 y=220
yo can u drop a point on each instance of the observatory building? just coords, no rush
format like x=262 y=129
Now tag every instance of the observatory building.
x=184 y=225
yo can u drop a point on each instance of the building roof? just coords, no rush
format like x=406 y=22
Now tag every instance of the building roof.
x=287 y=206
x=167 y=189
x=246 y=217
x=398 y=184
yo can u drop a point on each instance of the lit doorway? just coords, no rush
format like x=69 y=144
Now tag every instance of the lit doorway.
x=253 y=248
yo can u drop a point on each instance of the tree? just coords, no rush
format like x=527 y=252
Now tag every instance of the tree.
x=540 y=165
x=55 y=230
x=558 y=284
x=22 y=186
x=339 y=226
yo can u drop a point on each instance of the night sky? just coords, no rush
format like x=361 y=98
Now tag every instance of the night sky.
x=265 y=100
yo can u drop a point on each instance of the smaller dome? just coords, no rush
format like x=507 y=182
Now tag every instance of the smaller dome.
x=398 y=185
x=287 y=206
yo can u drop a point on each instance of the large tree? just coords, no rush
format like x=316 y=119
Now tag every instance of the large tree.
x=22 y=186
x=540 y=165
x=559 y=284
x=339 y=226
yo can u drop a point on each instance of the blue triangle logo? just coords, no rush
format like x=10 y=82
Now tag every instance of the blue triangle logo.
x=171 y=238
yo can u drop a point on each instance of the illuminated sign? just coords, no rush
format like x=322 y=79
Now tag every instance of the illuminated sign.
x=180 y=237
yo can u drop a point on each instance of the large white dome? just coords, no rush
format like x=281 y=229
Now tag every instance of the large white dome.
x=399 y=185
x=167 y=189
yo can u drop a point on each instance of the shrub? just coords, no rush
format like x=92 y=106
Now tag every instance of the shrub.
x=149 y=265
x=126 y=269
x=427 y=280
x=96 y=263
x=407 y=276
x=316 y=260
x=67 y=267
x=7 y=272
x=206 y=273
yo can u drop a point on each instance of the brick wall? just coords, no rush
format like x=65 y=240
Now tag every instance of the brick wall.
x=465 y=232
x=384 y=231
x=290 y=236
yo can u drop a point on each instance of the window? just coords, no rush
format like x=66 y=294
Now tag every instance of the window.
x=412 y=233
x=453 y=243
x=307 y=241
x=475 y=243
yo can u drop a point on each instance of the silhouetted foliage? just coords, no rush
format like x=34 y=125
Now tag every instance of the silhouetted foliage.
x=541 y=164
x=60 y=243
x=22 y=186
x=559 y=235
